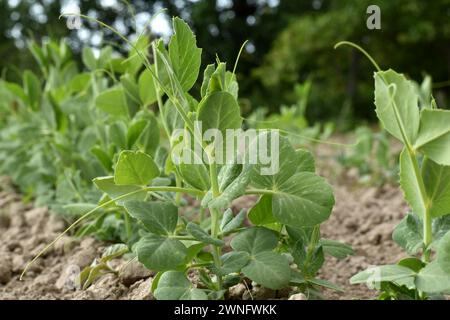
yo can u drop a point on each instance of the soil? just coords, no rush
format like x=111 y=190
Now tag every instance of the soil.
x=363 y=217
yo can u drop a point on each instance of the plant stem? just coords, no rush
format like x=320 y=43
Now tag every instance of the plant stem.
x=127 y=225
x=201 y=216
x=215 y=214
x=427 y=225
x=179 y=184
x=216 y=249
x=188 y=238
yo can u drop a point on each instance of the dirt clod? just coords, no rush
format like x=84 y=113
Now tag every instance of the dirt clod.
x=133 y=272
x=298 y=296
x=5 y=268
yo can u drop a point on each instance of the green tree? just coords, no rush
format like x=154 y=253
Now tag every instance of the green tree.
x=414 y=36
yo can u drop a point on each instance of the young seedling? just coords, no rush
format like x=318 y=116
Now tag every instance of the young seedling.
x=424 y=178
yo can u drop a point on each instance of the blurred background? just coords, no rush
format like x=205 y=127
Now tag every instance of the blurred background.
x=289 y=42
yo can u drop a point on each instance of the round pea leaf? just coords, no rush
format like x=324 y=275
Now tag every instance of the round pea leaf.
x=158 y=217
x=269 y=269
x=135 y=168
x=174 y=285
x=160 y=253
x=255 y=240
x=219 y=110
x=303 y=200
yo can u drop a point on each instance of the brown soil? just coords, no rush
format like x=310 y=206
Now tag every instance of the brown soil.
x=365 y=219
x=362 y=217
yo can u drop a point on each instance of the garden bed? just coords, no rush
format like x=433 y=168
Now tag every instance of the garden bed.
x=363 y=217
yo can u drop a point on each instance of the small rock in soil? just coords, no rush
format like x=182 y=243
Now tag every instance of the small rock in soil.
x=18 y=263
x=83 y=257
x=106 y=288
x=132 y=272
x=298 y=296
x=141 y=290
x=236 y=292
x=5 y=220
x=5 y=268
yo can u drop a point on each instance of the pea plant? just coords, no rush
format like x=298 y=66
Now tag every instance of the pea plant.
x=65 y=126
x=276 y=243
x=41 y=146
x=292 y=120
x=424 y=178
x=372 y=157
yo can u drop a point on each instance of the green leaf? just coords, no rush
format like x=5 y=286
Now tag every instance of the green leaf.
x=135 y=130
x=135 y=168
x=434 y=135
x=174 y=285
x=195 y=173
x=236 y=222
x=201 y=235
x=114 y=251
x=394 y=95
x=118 y=134
x=217 y=81
x=113 y=102
x=437 y=185
x=382 y=273
x=306 y=161
x=269 y=269
x=147 y=91
x=228 y=173
x=219 y=110
x=184 y=54
x=103 y=157
x=193 y=251
x=134 y=61
x=16 y=90
x=32 y=89
x=309 y=260
x=410 y=185
x=443 y=253
x=78 y=209
x=233 y=261
x=289 y=162
x=160 y=253
x=305 y=199
x=255 y=240
x=158 y=217
x=231 y=84
x=149 y=138
x=88 y=57
x=326 y=284
x=261 y=213
x=299 y=198
x=131 y=90
x=172 y=117
x=107 y=185
x=234 y=190
x=226 y=218
x=336 y=249
x=408 y=234
x=209 y=70
x=412 y=263
x=432 y=279
x=440 y=227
